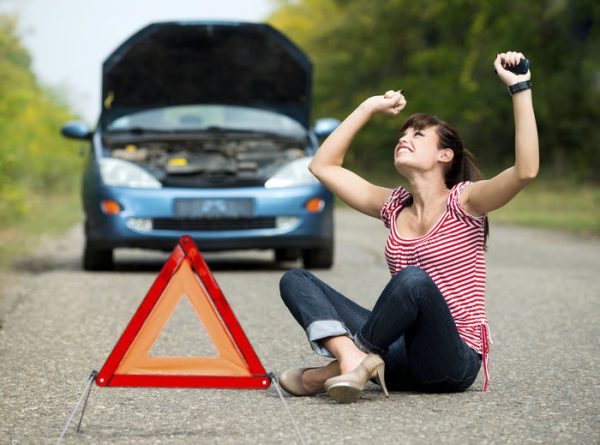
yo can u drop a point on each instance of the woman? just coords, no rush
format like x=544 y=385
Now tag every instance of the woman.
x=428 y=330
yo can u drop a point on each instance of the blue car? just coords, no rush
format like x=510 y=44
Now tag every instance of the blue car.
x=204 y=130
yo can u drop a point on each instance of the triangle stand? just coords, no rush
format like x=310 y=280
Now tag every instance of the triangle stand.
x=184 y=275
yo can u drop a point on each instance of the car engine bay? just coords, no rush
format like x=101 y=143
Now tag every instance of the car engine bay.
x=214 y=161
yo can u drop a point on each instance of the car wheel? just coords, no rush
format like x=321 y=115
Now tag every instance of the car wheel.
x=282 y=255
x=97 y=259
x=320 y=258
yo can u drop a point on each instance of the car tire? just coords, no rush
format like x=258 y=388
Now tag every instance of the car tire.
x=282 y=255
x=97 y=259
x=319 y=258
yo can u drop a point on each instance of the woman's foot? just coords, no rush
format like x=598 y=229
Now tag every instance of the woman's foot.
x=346 y=388
x=345 y=351
x=313 y=379
x=351 y=360
x=308 y=381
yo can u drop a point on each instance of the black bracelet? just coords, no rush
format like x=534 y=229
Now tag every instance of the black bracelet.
x=526 y=85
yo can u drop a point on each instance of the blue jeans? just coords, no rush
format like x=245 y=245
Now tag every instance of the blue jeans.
x=410 y=326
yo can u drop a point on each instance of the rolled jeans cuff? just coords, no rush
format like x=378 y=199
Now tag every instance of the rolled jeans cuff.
x=365 y=346
x=320 y=329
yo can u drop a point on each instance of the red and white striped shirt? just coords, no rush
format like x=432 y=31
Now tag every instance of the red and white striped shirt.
x=452 y=255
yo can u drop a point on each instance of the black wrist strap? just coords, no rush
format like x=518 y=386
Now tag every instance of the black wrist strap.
x=525 y=85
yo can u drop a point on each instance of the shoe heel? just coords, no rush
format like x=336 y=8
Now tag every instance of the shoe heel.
x=381 y=378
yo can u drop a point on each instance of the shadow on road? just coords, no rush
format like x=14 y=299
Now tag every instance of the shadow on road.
x=152 y=262
x=45 y=264
x=215 y=264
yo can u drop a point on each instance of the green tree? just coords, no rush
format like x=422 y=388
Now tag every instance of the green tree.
x=34 y=158
x=441 y=53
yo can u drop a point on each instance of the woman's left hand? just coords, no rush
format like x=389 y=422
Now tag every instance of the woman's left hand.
x=510 y=58
x=490 y=194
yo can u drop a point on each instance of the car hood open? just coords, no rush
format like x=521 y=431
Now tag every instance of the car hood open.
x=183 y=63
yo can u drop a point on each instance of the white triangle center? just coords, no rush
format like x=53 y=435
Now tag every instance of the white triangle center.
x=184 y=334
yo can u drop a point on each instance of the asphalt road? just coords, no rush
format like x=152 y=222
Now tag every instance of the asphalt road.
x=59 y=323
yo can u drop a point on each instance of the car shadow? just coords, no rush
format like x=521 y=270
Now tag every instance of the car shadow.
x=229 y=265
x=231 y=261
x=153 y=263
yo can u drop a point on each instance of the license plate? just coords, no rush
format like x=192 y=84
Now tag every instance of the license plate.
x=214 y=208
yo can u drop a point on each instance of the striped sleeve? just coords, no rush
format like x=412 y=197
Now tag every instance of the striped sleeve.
x=460 y=211
x=397 y=197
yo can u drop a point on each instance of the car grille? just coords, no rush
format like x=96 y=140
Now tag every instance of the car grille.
x=213 y=224
x=199 y=181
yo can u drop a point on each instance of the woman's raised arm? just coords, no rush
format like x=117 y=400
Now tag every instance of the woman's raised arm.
x=484 y=196
x=355 y=191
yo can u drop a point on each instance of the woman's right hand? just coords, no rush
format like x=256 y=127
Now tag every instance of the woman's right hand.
x=327 y=163
x=391 y=103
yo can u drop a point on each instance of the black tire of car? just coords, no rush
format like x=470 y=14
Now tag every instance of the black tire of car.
x=97 y=259
x=282 y=255
x=319 y=258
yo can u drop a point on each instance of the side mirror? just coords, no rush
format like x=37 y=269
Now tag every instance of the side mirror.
x=76 y=130
x=325 y=126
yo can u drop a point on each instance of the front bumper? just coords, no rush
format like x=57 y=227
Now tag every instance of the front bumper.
x=302 y=229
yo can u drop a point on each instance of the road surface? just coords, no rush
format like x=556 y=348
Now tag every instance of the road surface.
x=59 y=323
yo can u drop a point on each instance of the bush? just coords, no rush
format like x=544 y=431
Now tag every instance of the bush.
x=34 y=158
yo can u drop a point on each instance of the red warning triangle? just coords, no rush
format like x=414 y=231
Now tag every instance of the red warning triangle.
x=185 y=275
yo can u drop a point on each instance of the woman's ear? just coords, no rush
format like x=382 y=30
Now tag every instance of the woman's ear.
x=446 y=155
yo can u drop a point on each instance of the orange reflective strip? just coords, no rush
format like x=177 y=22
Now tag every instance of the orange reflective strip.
x=200 y=366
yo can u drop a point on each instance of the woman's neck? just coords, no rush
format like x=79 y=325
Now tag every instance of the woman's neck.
x=429 y=192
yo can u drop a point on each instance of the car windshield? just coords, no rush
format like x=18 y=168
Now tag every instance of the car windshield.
x=207 y=118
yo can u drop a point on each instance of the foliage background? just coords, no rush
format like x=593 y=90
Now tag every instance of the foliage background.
x=441 y=53
x=35 y=160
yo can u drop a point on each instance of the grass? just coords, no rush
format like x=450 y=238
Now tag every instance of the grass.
x=46 y=216
x=544 y=203
x=555 y=205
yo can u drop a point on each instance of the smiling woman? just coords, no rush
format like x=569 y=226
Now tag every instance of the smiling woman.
x=428 y=330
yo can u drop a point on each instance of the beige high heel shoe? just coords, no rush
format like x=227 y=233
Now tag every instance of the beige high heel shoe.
x=346 y=388
x=291 y=380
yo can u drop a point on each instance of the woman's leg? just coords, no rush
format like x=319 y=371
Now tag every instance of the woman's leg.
x=322 y=311
x=329 y=319
x=412 y=328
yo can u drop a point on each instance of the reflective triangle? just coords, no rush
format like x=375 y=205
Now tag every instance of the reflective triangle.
x=185 y=277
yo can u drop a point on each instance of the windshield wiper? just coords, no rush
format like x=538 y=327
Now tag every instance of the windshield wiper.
x=140 y=130
x=216 y=129
x=230 y=130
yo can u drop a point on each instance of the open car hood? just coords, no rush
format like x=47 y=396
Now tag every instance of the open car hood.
x=184 y=63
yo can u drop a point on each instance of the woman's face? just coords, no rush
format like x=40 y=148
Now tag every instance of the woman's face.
x=417 y=150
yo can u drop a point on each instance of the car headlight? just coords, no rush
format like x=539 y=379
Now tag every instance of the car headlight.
x=293 y=174
x=117 y=172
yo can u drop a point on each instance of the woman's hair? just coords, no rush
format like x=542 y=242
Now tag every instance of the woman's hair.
x=462 y=167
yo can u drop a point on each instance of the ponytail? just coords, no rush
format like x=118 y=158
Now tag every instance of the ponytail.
x=465 y=169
